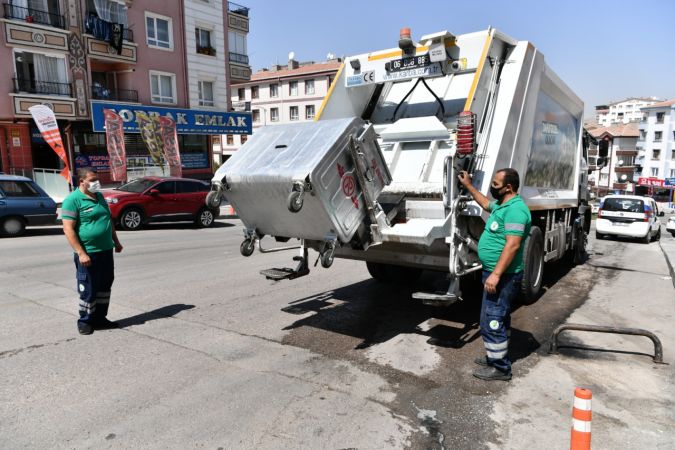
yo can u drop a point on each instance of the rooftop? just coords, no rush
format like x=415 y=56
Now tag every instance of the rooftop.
x=618 y=130
x=660 y=104
x=643 y=99
x=304 y=69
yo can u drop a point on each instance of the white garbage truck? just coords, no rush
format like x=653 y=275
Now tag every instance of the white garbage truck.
x=374 y=177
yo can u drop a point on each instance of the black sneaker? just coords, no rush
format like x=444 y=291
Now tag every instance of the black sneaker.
x=105 y=324
x=481 y=361
x=84 y=328
x=491 y=373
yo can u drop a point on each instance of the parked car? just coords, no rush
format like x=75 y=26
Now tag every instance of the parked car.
x=160 y=199
x=23 y=203
x=670 y=225
x=629 y=216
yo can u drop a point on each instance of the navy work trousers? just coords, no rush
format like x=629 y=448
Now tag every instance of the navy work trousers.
x=495 y=319
x=94 y=284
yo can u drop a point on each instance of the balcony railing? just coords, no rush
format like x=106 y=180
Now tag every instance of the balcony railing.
x=127 y=33
x=238 y=58
x=116 y=95
x=31 y=15
x=237 y=9
x=32 y=86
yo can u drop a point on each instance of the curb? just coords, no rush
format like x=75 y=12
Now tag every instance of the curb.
x=669 y=262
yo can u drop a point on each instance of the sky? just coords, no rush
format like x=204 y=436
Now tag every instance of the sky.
x=604 y=50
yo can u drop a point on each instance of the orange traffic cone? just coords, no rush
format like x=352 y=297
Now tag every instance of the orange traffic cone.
x=581 y=420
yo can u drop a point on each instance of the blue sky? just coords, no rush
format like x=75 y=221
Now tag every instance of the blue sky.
x=604 y=50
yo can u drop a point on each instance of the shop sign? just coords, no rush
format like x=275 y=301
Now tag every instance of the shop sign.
x=188 y=121
x=670 y=182
x=654 y=182
x=194 y=160
x=100 y=163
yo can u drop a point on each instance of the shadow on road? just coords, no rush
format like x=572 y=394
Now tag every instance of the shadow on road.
x=375 y=312
x=41 y=231
x=179 y=226
x=160 y=313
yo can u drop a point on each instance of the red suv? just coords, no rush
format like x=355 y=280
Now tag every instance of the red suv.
x=159 y=199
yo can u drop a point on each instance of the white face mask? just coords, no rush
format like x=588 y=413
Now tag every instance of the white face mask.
x=94 y=186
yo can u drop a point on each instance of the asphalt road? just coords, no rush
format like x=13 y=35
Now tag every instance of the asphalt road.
x=212 y=355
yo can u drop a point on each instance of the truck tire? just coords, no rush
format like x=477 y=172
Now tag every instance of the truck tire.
x=391 y=274
x=533 y=273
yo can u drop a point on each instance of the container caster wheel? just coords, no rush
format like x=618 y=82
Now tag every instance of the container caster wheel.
x=295 y=201
x=327 y=258
x=247 y=247
x=213 y=199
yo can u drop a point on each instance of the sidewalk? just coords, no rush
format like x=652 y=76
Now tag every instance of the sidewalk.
x=633 y=398
x=667 y=244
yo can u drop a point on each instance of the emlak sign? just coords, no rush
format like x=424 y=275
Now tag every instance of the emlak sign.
x=188 y=121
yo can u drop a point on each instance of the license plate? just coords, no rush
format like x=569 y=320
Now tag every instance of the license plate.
x=412 y=62
x=621 y=224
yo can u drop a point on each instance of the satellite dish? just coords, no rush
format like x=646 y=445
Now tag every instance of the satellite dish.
x=624 y=177
x=620 y=162
x=291 y=55
x=330 y=56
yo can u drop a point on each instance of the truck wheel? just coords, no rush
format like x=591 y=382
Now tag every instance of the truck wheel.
x=12 y=227
x=533 y=273
x=391 y=274
x=295 y=201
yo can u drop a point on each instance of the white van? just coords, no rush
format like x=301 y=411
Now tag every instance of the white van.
x=629 y=216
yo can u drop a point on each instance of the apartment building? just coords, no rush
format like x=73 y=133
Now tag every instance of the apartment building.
x=624 y=111
x=656 y=143
x=618 y=175
x=81 y=56
x=281 y=94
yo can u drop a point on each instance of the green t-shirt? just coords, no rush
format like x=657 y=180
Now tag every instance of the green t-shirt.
x=93 y=221
x=511 y=218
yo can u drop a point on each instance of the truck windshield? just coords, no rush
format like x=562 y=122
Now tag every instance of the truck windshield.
x=624 y=205
x=137 y=186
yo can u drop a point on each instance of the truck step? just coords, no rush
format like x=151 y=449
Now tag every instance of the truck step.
x=436 y=299
x=283 y=274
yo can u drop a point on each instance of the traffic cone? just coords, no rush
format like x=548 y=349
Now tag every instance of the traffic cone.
x=581 y=420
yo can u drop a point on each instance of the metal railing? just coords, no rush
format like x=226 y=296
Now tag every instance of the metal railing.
x=127 y=33
x=116 y=95
x=238 y=58
x=237 y=9
x=31 y=15
x=33 y=86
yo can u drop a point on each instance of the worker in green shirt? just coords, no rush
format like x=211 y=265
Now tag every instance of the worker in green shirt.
x=500 y=250
x=89 y=229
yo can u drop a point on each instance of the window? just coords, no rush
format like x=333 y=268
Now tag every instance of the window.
x=18 y=189
x=229 y=139
x=205 y=93
x=309 y=87
x=643 y=135
x=294 y=112
x=309 y=112
x=189 y=187
x=654 y=172
x=243 y=138
x=237 y=42
x=40 y=74
x=672 y=154
x=241 y=92
x=603 y=177
x=203 y=40
x=672 y=173
x=255 y=115
x=254 y=92
x=274 y=114
x=656 y=154
x=274 y=90
x=108 y=10
x=293 y=88
x=162 y=87
x=158 y=31
x=167 y=187
x=660 y=116
x=658 y=135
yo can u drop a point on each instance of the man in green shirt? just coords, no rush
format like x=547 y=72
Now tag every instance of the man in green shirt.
x=89 y=229
x=500 y=250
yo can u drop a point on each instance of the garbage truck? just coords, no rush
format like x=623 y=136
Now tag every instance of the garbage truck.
x=374 y=177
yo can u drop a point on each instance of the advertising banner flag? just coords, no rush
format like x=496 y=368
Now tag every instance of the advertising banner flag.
x=114 y=133
x=170 y=143
x=46 y=122
x=149 y=128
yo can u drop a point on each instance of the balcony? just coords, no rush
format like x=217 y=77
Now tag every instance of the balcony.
x=239 y=58
x=30 y=15
x=237 y=9
x=31 y=86
x=625 y=169
x=99 y=92
x=626 y=152
x=207 y=50
x=620 y=186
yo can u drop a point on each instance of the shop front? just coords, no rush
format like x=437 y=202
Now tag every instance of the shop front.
x=196 y=132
